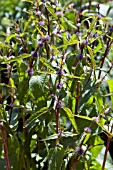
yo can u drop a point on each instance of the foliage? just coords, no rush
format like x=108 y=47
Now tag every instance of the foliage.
x=56 y=91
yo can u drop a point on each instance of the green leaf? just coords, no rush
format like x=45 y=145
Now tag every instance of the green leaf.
x=55 y=158
x=92 y=24
x=56 y=136
x=70 y=43
x=3 y=45
x=31 y=1
x=37 y=85
x=71 y=118
x=89 y=90
x=3 y=33
x=46 y=63
x=73 y=77
x=16 y=58
x=10 y=37
x=66 y=75
x=51 y=10
x=33 y=119
x=98 y=47
x=71 y=24
x=92 y=57
x=110 y=84
x=84 y=117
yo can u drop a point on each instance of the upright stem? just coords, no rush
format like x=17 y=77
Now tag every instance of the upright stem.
x=106 y=151
x=24 y=129
x=105 y=54
x=4 y=138
x=77 y=97
x=75 y=163
x=57 y=118
x=48 y=25
x=89 y=4
x=77 y=156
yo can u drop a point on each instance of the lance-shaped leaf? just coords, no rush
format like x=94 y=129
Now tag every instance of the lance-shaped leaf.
x=16 y=58
x=110 y=84
x=71 y=118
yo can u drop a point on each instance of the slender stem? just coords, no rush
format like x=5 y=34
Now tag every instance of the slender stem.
x=107 y=73
x=57 y=119
x=77 y=97
x=48 y=25
x=77 y=156
x=6 y=156
x=57 y=123
x=89 y=5
x=47 y=50
x=75 y=163
x=80 y=5
x=22 y=39
x=24 y=46
x=24 y=129
x=4 y=138
x=106 y=151
x=105 y=54
x=10 y=116
x=46 y=45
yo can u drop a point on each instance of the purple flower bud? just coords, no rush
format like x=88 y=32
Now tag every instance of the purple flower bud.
x=59 y=85
x=78 y=34
x=59 y=104
x=99 y=16
x=52 y=58
x=80 y=57
x=80 y=151
x=43 y=38
x=85 y=41
x=78 y=24
x=60 y=134
x=47 y=38
x=38 y=13
x=1 y=125
x=41 y=23
x=98 y=6
x=87 y=130
x=18 y=29
x=95 y=35
x=59 y=13
x=111 y=29
x=34 y=54
x=40 y=43
x=11 y=104
x=95 y=119
x=30 y=71
x=106 y=111
x=35 y=7
x=52 y=96
x=60 y=72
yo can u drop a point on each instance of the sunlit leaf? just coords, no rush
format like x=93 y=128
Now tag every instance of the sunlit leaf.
x=71 y=118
